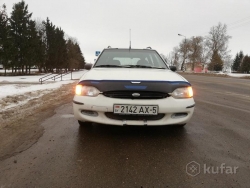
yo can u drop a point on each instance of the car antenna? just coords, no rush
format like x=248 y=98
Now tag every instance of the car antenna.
x=129 y=39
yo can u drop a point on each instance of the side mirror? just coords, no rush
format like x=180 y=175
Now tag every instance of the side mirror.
x=88 y=66
x=172 y=68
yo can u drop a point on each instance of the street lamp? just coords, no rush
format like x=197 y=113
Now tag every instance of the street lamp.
x=181 y=35
x=185 y=51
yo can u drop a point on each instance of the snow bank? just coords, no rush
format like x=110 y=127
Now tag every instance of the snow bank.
x=34 y=79
x=238 y=75
x=16 y=90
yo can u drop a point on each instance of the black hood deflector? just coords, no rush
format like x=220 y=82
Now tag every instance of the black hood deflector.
x=138 y=85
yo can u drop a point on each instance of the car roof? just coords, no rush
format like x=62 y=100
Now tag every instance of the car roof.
x=148 y=48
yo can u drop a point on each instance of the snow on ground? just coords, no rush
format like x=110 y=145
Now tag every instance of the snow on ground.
x=14 y=89
x=238 y=75
x=35 y=79
x=2 y=70
x=17 y=90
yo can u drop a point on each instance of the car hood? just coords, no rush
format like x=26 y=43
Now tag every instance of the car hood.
x=132 y=74
x=133 y=79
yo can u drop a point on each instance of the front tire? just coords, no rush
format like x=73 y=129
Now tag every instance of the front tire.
x=84 y=123
x=180 y=125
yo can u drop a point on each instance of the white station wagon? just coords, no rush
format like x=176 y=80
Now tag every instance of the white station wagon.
x=132 y=87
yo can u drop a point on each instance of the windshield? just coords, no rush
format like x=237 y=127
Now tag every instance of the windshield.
x=126 y=58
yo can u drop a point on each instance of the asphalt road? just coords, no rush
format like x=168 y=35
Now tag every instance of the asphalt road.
x=217 y=140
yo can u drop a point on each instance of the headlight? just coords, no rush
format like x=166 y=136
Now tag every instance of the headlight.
x=183 y=92
x=86 y=91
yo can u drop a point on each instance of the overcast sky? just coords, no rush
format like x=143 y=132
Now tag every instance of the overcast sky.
x=98 y=24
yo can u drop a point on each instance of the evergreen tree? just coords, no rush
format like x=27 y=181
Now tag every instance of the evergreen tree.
x=40 y=50
x=75 y=57
x=71 y=51
x=50 y=47
x=216 y=63
x=4 y=38
x=34 y=46
x=241 y=56
x=61 y=53
x=236 y=63
x=80 y=58
x=55 y=47
x=23 y=44
x=19 y=23
x=245 y=66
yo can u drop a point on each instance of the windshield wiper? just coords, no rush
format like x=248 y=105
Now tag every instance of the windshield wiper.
x=158 y=68
x=107 y=66
x=131 y=66
x=142 y=66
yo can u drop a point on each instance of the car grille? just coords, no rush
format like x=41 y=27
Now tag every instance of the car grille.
x=128 y=95
x=111 y=115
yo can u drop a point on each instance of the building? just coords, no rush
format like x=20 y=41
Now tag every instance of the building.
x=198 y=68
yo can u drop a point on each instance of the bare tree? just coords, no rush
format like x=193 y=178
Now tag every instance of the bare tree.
x=176 y=56
x=201 y=49
x=184 y=49
x=205 y=53
x=168 y=58
x=195 y=50
x=217 y=40
x=228 y=62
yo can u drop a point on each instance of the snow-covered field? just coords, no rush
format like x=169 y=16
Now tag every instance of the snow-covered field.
x=18 y=90
x=236 y=75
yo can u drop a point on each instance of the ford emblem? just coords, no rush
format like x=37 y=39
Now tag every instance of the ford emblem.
x=136 y=95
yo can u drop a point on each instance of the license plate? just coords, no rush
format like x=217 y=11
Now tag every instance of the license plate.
x=136 y=109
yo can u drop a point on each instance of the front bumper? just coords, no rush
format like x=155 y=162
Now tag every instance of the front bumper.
x=101 y=104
